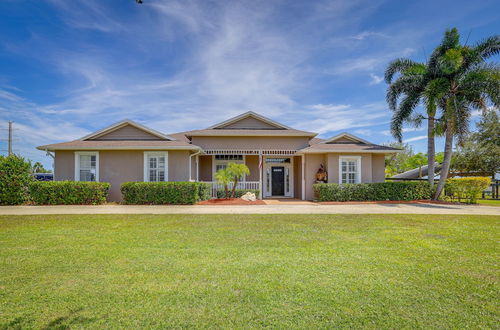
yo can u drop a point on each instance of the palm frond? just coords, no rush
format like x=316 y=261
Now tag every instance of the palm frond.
x=399 y=65
x=404 y=85
x=403 y=114
x=488 y=47
x=450 y=40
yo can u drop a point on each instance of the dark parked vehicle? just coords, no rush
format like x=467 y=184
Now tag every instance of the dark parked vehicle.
x=44 y=176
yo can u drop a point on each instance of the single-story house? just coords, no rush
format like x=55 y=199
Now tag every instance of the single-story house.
x=283 y=161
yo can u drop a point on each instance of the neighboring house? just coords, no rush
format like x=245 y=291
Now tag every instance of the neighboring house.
x=283 y=161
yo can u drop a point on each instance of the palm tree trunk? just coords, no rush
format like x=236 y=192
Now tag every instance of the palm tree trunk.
x=445 y=169
x=431 y=150
x=233 y=192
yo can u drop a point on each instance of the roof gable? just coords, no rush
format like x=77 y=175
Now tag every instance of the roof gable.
x=249 y=120
x=345 y=138
x=127 y=130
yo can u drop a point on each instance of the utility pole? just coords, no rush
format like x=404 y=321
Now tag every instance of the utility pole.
x=10 y=138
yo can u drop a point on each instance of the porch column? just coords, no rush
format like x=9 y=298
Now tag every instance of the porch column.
x=197 y=168
x=303 y=168
x=261 y=166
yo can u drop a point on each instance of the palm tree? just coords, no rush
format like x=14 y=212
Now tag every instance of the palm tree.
x=467 y=83
x=455 y=80
x=412 y=83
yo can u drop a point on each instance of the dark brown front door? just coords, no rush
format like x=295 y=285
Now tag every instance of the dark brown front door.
x=278 y=180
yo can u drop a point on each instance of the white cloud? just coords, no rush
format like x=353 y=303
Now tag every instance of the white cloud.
x=363 y=131
x=328 y=118
x=416 y=138
x=375 y=79
x=366 y=34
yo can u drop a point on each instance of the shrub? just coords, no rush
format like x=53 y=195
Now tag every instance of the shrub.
x=467 y=188
x=380 y=191
x=205 y=191
x=238 y=193
x=68 y=192
x=164 y=192
x=15 y=175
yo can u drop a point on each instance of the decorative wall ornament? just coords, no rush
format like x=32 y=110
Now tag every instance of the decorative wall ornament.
x=322 y=175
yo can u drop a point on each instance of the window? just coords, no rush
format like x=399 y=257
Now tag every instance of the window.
x=229 y=157
x=155 y=166
x=221 y=162
x=278 y=160
x=350 y=169
x=87 y=166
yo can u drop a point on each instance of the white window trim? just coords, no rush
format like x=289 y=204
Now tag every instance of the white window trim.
x=146 y=166
x=216 y=162
x=358 y=160
x=77 y=163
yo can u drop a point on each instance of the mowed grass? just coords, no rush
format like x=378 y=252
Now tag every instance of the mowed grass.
x=245 y=271
x=489 y=202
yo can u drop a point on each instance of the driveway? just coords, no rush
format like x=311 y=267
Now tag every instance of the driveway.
x=309 y=208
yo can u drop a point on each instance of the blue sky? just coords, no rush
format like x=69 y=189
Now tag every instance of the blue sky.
x=71 y=67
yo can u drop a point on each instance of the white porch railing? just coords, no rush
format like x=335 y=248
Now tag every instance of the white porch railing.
x=253 y=185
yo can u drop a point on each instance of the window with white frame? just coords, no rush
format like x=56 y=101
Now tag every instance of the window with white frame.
x=155 y=166
x=221 y=162
x=350 y=169
x=86 y=166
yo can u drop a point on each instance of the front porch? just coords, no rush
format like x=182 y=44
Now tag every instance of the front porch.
x=275 y=173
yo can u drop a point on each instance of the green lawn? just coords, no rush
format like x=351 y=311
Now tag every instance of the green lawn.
x=489 y=202
x=239 y=271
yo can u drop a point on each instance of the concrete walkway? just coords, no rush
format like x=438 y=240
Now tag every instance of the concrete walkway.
x=311 y=208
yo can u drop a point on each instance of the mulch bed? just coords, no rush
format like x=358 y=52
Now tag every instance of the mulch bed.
x=391 y=202
x=230 y=201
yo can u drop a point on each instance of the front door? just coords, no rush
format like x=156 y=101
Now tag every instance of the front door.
x=278 y=180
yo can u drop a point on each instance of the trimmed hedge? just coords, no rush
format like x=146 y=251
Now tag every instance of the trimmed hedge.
x=164 y=192
x=15 y=175
x=238 y=193
x=68 y=192
x=466 y=188
x=380 y=191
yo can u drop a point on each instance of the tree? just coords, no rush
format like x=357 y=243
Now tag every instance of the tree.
x=232 y=173
x=236 y=172
x=466 y=83
x=37 y=167
x=412 y=83
x=222 y=177
x=454 y=81
x=480 y=152
x=405 y=160
x=15 y=175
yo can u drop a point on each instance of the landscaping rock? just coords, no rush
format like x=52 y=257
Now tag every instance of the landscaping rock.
x=249 y=196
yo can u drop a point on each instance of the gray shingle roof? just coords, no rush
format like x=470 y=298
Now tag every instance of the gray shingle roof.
x=348 y=147
x=117 y=145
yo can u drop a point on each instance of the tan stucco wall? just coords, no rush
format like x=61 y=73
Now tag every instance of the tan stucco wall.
x=256 y=142
x=378 y=168
x=64 y=165
x=128 y=133
x=333 y=168
x=205 y=168
x=252 y=161
x=178 y=165
x=121 y=166
x=313 y=162
x=297 y=177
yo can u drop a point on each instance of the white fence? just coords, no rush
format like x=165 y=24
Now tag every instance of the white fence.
x=253 y=185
